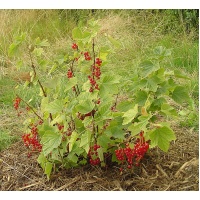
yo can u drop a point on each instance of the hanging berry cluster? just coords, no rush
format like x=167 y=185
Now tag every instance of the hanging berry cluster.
x=98 y=61
x=87 y=56
x=65 y=133
x=17 y=102
x=31 y=140
x=93 y=155
x=96 y=73
x=137 y=153
x=69 y=74
x=60 y=127
x=140 y=148
x=74 y=46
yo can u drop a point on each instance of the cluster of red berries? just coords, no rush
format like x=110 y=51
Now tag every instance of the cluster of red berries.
x=129 y=155
x=93 y=83
x=17 y=102
x=125 y=154
x=113 y=108
x=69 y=131
x=98 y=101
x=120 y=154
x=31 y=140
x=87 y=56
x=74 y=46
x=140 y=148
x=93 y=155
x=82 y=116
x=27 y=108
x=60 y=127
x=69 y=74
x=96 y=72
x=138 y=152
x=98 y=61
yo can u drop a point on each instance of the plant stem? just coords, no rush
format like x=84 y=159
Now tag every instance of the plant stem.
x=77 y=91
x=93 y=57
x=93 y=121
x=40 y=84
x=30 y=108
x=115 y=104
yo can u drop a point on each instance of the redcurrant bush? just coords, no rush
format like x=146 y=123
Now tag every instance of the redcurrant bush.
x=88 y=111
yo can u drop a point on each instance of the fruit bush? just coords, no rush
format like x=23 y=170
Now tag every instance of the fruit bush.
x=89 y=113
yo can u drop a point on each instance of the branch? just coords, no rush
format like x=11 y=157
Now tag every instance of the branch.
x=93 y=57
x=33 y=67
x=30 y=108
x=77 y=91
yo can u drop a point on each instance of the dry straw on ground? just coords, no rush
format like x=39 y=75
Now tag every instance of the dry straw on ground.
x=177 y=170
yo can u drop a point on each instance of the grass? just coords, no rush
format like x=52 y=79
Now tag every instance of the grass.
x=139 y=32
x=6 y=139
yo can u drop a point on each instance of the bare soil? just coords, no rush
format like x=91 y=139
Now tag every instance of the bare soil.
x=177 y=170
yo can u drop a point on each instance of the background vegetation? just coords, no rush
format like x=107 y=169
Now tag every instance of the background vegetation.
x=138 y=31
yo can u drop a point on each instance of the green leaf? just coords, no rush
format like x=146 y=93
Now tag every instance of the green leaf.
x=48 y=169
x=72 y=140
x=100 y=154
x=55 y=106
x=17 y=42
x=157 y=103
x=103 y=52
x=109 y=85
x=152 y=83
x=168 y=110
x=72 y=157
x=110 y=79
x=114 y=42
x=44 y=103
x=85 y=106
x=77 y=149
x=87 y=121
x=108 y=89
x=85 y=141
x=180 y=94
x=72 y=82
x=138 y=126
x=60 y=118
x=103 y=55
x=159 y=50
x=77 y=33
x=124 y=106
x=45 y=164
x=56 y=154
x=179 y=74
x=147 y=67
x=54 y=67
x=104 y=141
x=162 y=51
x=104 y=111
x=163 y=89
x=12 y=49
x=43 y=43
x=42 y=160
x=115 y=128
x=38 y=52
x=50 y=140
x=141 y=97
x=162 y=137
x=130 y=115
